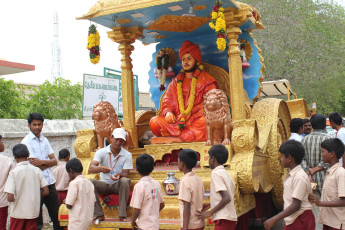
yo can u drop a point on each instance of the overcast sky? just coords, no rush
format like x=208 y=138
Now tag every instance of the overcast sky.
x=26 y=35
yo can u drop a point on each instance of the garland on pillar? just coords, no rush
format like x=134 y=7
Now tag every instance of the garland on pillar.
x=93 y=44
x=218 y=24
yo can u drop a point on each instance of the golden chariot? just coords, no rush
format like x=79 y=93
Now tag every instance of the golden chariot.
x=260 y=126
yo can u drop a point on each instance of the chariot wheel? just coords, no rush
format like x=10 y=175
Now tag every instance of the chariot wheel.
x=273 y=119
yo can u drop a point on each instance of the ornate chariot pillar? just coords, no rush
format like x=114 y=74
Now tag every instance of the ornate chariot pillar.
x=125 y=37
x=234 y=19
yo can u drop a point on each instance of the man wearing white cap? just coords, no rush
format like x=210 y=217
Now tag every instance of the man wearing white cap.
x=114 y=164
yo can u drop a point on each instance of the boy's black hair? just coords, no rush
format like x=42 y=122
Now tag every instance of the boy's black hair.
x=306 y=120
x=0 y=136
x=220 y=153
x=75 y=165
x=318 y=121
x=334 y=145
x=189 y=157
x=35 y=116
x=296 y=124
x=64 y=153
x=144 y=164
x=336 y=118
x=20 y=151
x=294 y=149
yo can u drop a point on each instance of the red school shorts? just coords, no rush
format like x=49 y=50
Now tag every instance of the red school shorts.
x=305 y=221
x=23 y=224
x=3 y=217
x=224 y=225
x=62 y=195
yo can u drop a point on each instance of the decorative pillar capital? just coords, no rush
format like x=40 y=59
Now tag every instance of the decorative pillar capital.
x=124 y=35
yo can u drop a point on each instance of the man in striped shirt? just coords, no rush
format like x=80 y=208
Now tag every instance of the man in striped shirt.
x=312 y=163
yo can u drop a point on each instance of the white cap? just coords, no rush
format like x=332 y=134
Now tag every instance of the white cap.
x=119 y=133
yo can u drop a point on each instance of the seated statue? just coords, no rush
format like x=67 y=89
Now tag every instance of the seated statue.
x=182 y=113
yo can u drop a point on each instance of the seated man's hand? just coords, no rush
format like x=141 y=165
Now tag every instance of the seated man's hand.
x=105 y=169
x=170 y=117
x=116 y=177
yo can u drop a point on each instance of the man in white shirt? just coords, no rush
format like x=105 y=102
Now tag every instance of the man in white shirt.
x=336 y=121
x=42 y=156
x=296 y=127
x=114 y=164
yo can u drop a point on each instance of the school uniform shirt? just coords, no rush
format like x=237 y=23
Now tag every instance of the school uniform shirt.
x=333 y=189
x=25 y=182
x=122 y=161
x=222 y=181
x=296 y=185
x=191 y=189
x=147 y=196
x=6 y=165
x=61 y=176
x=40 y=149
x=81 y=197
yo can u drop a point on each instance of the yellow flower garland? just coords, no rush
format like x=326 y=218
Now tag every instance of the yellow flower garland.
x=218 y=24
x=93 y=41
x=191 y=100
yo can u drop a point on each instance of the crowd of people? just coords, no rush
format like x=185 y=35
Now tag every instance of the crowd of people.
x=314 y=186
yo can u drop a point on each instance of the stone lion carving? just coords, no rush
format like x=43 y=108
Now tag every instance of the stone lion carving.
x=217 y=115
x=106 y=120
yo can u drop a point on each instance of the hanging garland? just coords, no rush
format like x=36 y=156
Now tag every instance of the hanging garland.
x=218 y=24
x=183 y=111
x=93 y=44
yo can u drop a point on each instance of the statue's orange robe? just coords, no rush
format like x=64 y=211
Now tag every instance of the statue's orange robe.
x=195 y=129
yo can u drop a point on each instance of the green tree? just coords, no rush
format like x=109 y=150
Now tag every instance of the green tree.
x=304 y=42
x=57 y=100
x=13 y=102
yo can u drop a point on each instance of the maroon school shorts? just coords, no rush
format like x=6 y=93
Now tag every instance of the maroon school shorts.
x=23 y=224
x=305 y=221
x=224 y=225
x=3 y=217
x=61 y=195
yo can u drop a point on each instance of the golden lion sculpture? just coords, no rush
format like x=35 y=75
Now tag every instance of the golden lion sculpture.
x=106 y=120
x=217 y=115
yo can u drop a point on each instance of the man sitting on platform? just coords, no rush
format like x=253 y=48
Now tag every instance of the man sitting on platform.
x=182 y=115
x=114 y=164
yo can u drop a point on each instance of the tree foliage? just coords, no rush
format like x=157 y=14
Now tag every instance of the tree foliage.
x=57 y=100
x=12 y=100
x=304 y=42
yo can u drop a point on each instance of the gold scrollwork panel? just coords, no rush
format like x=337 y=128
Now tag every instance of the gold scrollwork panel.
x=244 y=142
x=273 y=119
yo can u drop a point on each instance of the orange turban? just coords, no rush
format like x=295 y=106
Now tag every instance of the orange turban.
x=190 y=47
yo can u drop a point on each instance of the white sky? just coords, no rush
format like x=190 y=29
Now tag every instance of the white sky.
x=26 y=36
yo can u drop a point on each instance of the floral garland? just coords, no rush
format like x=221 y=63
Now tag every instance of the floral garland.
x=218 y=24
x=185 y=112
x=93 y=44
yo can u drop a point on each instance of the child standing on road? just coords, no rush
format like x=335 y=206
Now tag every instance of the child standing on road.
x=61 y=175
x=297 y=212
x=80 y=198
x=191 y=191
x=222 y=191
x=6 y=165
x=332 y=203
x=147 y=199
x=23 y=188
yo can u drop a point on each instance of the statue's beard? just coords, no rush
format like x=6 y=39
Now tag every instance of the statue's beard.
x=191 y=69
